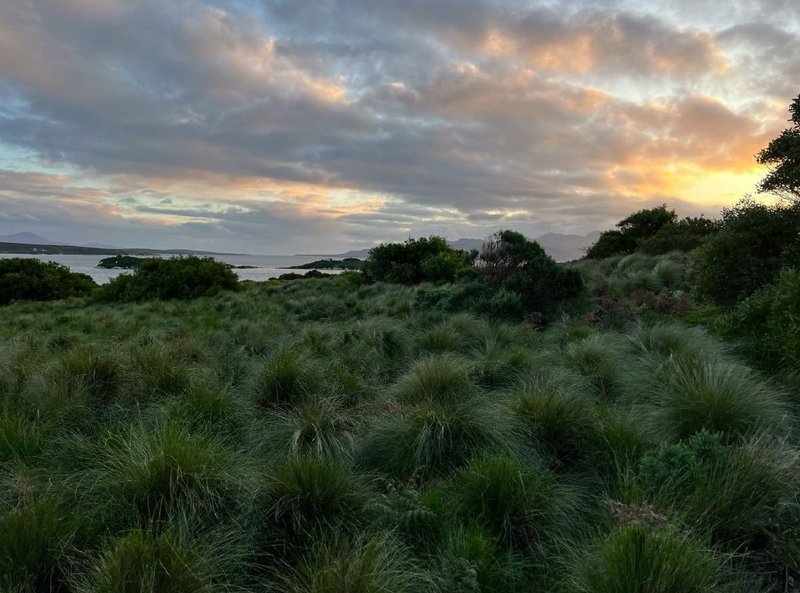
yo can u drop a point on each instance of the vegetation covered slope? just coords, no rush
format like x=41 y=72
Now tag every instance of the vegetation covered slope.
x=329 y=435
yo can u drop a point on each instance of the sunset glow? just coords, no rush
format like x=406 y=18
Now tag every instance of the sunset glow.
x=285 y=126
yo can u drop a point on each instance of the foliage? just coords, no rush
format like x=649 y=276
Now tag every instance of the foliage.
x=682 y=235
x=427 y=259
x=637 y=227
x=783 y=155
x=24 y=279
x=510 y=262
x=127 y=262
x=769 y=322
x=175 y=278
x=753 y=244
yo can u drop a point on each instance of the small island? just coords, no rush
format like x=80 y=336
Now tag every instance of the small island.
x=348 y=263
x=126 y=262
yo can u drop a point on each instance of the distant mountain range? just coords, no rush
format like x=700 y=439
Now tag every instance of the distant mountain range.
x=559 y=246
x=28 y=238
x=31 y=243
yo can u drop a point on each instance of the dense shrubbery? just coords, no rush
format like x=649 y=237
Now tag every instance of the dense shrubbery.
x=174 y=278
x=754 y=243
x=23 y=279
x=427 y=259
x=769 y=322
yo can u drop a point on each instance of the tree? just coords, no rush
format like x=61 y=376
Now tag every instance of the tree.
x=634 y=229
x=24 y=279
x=783 y=155
x=510 y=262
x=428 y=259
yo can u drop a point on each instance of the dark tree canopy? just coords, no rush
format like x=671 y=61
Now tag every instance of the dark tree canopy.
x=510 y=262
x=634 y=229
x=174 y=278
x=754 y=243
x=427 y=259
x=783 y=156
x=24 y=279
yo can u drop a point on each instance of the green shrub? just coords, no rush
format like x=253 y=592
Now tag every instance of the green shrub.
x=769 y=322
x=753 y=244
x=24 y=279
x=474 y=297
x=717 y=396
x=510 y=262
x=522 y=506
x=635 y=558
x=417 y=260
x=175 y=278
x=641 y=226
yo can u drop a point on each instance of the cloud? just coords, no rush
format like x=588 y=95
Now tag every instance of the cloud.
x=286 y=124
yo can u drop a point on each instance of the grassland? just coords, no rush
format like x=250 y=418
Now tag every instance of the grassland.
x=328 y=436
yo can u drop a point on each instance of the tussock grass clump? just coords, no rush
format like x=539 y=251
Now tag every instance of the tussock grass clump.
x=474 y=560
x=208 y=405
x=733 y=492
x=285 y=378
x=319 y=426
x=101 y=374
x=520 y=505
x=636 y=557
x=21 y=439
x=33 y=538
x=438 y=378
x=155 y=372
x=143 y=561
x=432 y=439
x=367 y=565
x=156 y=472
x=672 y=340
x=561 y=423
x=716 y=396
x=600 y=358
x=306 y=494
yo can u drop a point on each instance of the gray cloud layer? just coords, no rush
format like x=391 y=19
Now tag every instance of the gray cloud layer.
x=288 y=125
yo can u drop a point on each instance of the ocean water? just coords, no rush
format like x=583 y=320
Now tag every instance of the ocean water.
x=266 y=266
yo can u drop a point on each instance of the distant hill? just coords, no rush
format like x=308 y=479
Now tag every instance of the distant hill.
x=26 y=238
x=57 y=249
x=560 y=247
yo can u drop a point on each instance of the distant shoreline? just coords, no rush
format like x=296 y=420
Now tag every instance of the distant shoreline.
x=34 y=249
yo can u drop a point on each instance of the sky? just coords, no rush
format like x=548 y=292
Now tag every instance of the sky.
x=318 y=126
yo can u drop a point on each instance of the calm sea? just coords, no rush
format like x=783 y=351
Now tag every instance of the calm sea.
x=266 y=266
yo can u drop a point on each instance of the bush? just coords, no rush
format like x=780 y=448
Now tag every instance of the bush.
x=753 y=244
x=510 y=262
x=417 y=260
x=175 y=278
x=473 y=297
x=24 y=279
x=638 y=227
x=635 y=558
x=769 y=322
